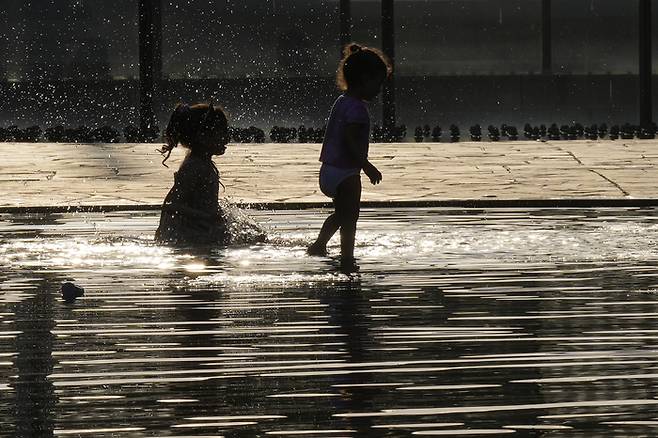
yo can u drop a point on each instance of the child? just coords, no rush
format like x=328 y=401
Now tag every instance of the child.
x=191 y=212
x=360 y=76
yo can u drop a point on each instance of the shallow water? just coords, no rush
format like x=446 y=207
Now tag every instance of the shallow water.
x=473 y=322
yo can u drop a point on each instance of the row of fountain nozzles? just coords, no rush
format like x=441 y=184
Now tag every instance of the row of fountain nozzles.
x=575 y=131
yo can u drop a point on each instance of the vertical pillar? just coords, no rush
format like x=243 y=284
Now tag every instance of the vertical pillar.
x=345 y=24
x=149 y=58
x=157 y=41
x=646 y=107
x=388 y=46
x=547 y=42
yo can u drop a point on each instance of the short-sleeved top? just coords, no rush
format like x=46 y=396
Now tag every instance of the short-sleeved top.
x=346 y=110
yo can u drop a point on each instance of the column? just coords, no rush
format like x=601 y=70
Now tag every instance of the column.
x=345 y=24
x=388 y=46
x=150 y=60
x=547 y=43
x=646 y=98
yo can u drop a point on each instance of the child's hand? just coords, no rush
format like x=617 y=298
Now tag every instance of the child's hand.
x=373 y=173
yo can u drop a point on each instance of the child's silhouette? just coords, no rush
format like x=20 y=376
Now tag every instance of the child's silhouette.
x=191 y=213
x=360 y=76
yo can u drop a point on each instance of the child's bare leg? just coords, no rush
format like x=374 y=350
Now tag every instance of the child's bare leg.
x=348 y=204
x=329 y=228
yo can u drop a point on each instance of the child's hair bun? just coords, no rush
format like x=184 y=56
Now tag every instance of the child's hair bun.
x=351 y=49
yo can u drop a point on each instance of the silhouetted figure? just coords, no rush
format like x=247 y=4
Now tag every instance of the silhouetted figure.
x=191 y=213
x=361 y=75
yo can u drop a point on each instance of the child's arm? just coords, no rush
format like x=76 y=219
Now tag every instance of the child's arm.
x=356 y=148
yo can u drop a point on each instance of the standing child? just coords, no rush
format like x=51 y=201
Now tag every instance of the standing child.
x=360 y=76
x=191 y=212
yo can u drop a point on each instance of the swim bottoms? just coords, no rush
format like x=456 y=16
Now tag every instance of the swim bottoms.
x=331 y=177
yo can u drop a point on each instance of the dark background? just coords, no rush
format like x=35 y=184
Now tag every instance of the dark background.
x=272 y=61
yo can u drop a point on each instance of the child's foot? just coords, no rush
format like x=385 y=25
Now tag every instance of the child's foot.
x=316 y=249
x=348 y=265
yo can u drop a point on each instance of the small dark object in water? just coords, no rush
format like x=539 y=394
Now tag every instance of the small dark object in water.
x=71 y=291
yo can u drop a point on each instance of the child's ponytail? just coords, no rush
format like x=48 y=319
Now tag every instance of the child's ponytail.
x=187 y=122
x=351 y=48
x=173 y=133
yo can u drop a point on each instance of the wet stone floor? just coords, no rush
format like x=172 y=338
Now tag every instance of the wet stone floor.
x=471 y=322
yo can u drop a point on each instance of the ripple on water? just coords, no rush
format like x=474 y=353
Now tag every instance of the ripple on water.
x=465 y=322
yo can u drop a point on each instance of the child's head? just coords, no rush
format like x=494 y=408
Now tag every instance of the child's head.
x=363 y=70
x=202 y=128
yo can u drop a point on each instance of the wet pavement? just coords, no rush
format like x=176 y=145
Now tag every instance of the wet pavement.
x=461 y=322
x=37 y=175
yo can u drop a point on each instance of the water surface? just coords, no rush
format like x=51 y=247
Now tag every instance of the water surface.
x=473 y=322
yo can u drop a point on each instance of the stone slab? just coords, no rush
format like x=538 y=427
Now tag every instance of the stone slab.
x=44 y=174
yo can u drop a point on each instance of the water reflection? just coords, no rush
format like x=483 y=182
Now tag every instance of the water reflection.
x=460 y=321
x=35 y=400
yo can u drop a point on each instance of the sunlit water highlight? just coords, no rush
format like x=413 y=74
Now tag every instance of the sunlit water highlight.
x=477 y=323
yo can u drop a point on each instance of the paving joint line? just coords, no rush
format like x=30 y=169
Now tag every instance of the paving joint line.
x=611 y=182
